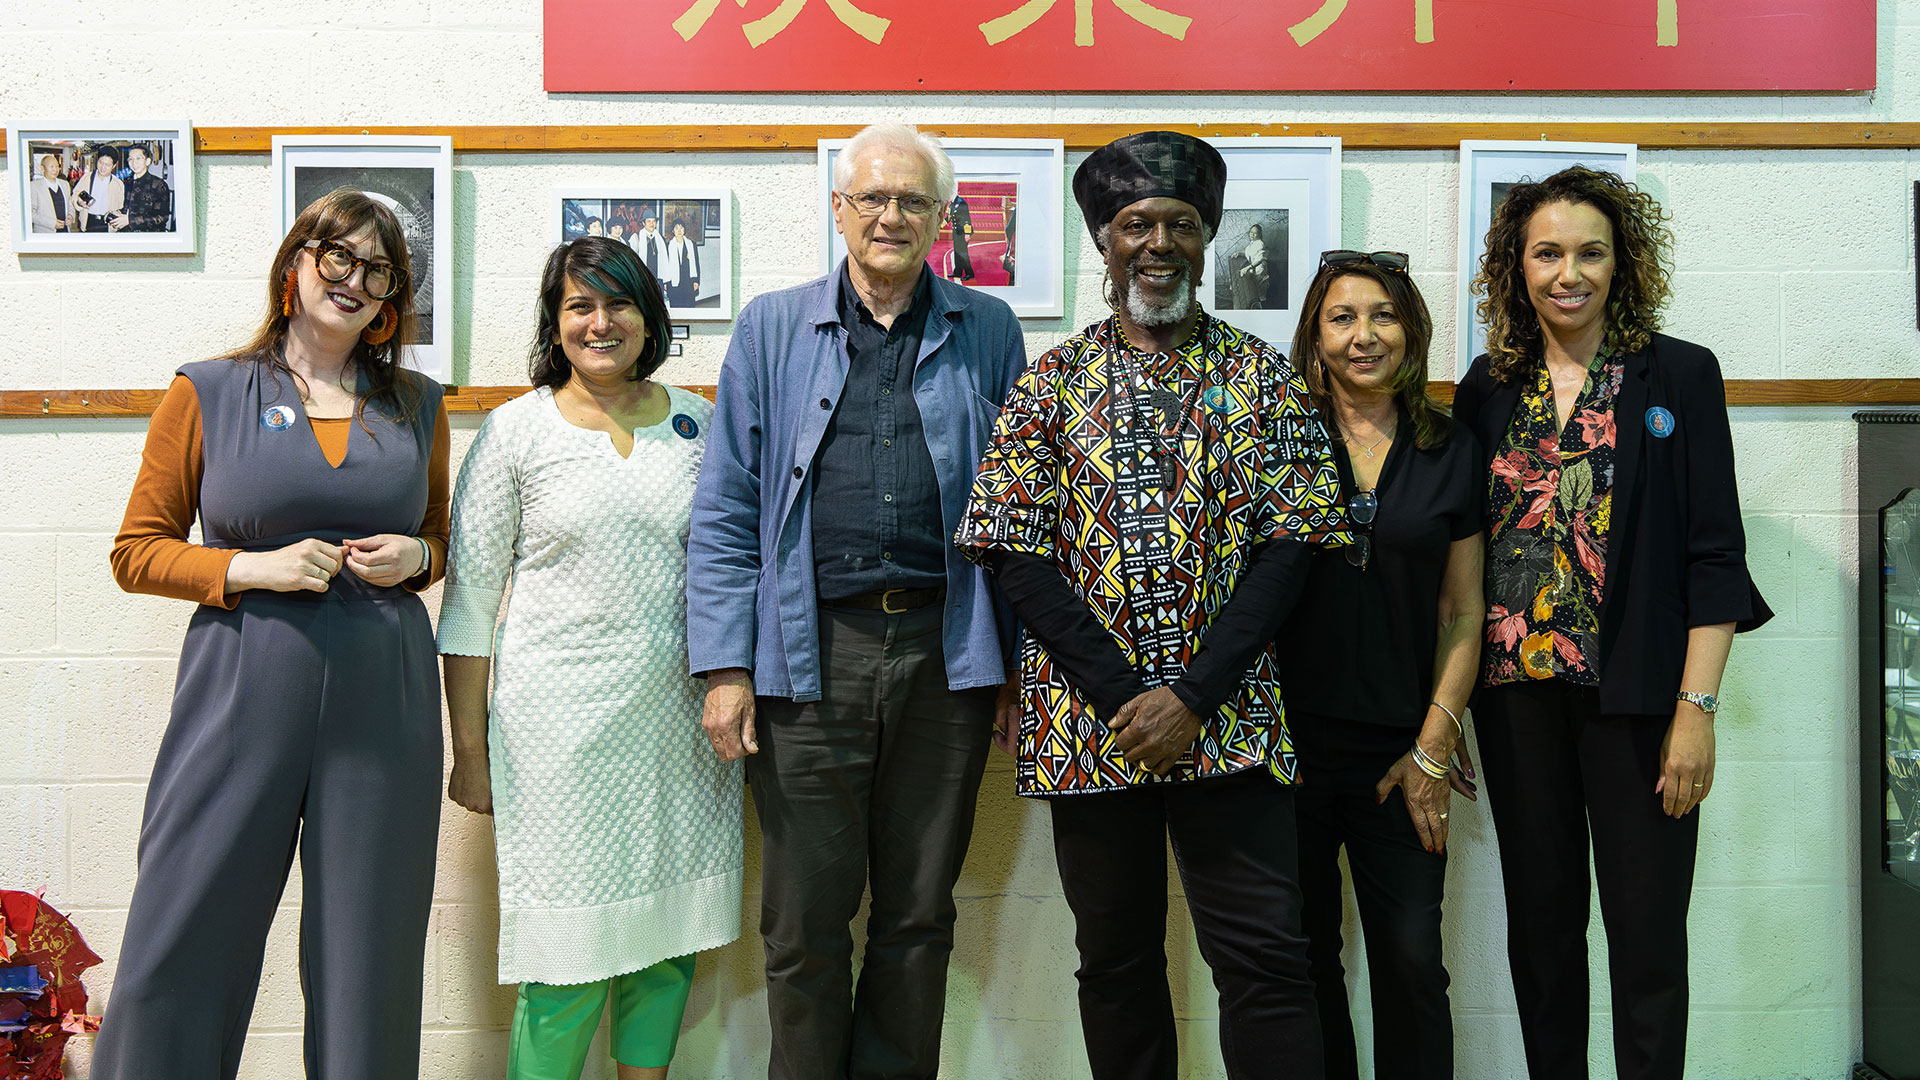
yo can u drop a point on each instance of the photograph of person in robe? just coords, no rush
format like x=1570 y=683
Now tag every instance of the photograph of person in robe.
x=960 y=226
x=1252 y=248
x=972 y=247
x=682 y=272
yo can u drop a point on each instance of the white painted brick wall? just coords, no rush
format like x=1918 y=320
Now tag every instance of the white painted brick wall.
x=1793 y=264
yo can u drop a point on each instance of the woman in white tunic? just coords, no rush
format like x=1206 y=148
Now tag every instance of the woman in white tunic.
x=617 y=829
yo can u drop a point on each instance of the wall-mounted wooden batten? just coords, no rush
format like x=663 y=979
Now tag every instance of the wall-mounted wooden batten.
x=17 y=404
x=801 y=138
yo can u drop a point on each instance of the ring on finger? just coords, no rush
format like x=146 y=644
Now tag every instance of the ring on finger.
x=1443 y=817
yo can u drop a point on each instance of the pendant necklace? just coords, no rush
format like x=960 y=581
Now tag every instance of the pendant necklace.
x=1169 y=409
x=1368 y=452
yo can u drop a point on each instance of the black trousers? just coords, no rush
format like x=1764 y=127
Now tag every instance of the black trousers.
x=1557 y=772
x=1233 y=839
x=872 y=785
x=1398 y=886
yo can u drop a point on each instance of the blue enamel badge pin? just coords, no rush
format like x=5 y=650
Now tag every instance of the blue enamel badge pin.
x=277 y=418
x=1216 y=397
x=1660 y=422
x=684 y=426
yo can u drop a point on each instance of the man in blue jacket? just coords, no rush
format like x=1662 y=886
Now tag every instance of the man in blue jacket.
x=851 y=652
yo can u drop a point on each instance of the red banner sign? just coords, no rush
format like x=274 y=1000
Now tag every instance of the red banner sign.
x=1136 y=46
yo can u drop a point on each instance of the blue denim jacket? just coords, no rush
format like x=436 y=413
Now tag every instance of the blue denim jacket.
x=750 y=589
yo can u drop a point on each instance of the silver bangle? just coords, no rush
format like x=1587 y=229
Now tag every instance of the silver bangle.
x=1425 y=763
x=426 y=556
x=1451 y=716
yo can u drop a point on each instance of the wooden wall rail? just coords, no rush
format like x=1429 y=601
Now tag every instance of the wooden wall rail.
x=533 y=138
x=22 y=404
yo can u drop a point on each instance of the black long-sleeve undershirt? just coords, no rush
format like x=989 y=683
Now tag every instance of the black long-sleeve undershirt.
x=1089 y=657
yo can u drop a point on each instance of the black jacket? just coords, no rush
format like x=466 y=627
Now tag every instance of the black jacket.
x=1676 y=550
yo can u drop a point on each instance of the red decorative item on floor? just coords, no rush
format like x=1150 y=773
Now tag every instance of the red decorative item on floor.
x=33 y=934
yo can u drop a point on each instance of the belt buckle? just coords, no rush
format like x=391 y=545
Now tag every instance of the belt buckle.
x=886 y=601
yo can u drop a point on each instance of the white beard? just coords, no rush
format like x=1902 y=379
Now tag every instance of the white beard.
x=1146 y=313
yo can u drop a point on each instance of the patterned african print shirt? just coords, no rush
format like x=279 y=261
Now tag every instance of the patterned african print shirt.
x=1148 y=477
x=1549 y=501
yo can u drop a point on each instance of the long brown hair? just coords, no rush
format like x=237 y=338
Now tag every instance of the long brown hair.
x=1642 y=251
x=338 y=215
x=1409 y=386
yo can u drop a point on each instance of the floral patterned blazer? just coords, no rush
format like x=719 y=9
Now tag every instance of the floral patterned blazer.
x=1675 y=547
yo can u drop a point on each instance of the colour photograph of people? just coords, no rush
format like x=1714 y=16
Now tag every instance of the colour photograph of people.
x=680 y=241
x=84 y=186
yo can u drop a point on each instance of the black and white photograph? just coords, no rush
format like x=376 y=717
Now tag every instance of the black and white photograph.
x=1002 y=232
x=684 y=235
x=1254 y=274
x=1282 y=209
x=1488 y=171
x=111 y=190
x=410 y=175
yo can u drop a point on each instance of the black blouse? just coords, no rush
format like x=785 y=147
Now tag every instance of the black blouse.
x=1359 y=646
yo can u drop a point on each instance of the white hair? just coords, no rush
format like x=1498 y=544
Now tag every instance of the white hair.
x=900 y=137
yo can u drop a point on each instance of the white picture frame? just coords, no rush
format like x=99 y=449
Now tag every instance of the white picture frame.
x=413 y=175
x=39 y=230
x=1030 y=174
x=1487 y=166
x=1288 y=185
x=710 y=296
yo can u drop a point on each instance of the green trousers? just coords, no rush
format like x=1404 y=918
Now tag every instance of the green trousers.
x=554 y=1025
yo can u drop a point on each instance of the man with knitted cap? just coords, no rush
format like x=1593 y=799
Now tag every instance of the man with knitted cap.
x=1148 y=504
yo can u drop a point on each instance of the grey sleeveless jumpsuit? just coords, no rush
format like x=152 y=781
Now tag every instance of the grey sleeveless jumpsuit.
x=298 y=718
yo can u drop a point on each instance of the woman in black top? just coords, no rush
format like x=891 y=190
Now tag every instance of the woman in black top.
x=1616 y=578
x=1379 y=658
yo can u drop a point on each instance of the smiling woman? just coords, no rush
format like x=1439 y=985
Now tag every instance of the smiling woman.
x=578 y=494
x=317 y=469
x=1609 y=619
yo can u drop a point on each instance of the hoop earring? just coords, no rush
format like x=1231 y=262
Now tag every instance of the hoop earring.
x=1107 y=290
x=287 y=291
x=380 y=330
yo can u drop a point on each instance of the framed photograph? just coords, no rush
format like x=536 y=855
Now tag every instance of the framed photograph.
x=82 y=189
x=1282 y=210
x=684 y=235
x=1008 y=215
x=413 y=176
x=1488 y=170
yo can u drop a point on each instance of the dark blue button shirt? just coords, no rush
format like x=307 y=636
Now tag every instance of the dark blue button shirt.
x=876 y=500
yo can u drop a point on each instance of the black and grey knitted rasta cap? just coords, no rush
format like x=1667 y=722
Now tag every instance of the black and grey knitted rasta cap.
x=1150 y=165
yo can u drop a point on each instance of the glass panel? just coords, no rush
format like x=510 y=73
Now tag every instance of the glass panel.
x=1900 y=697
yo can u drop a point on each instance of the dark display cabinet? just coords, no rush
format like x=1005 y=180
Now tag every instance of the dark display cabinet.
x=1889 y=522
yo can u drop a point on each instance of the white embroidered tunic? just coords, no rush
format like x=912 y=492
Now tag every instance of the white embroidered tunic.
x=618 y=832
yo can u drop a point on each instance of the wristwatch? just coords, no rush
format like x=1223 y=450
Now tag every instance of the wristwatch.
x=1707 y=702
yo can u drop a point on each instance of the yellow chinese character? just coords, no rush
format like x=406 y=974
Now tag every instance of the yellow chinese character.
x=1004 y=27
x=1317 y=23
x=1666 y=22
x=764 y=29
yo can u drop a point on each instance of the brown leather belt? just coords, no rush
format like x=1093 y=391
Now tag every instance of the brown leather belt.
x=892 y=601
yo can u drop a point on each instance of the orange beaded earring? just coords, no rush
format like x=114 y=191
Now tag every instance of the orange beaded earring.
x=286 y=293
x=381 y=329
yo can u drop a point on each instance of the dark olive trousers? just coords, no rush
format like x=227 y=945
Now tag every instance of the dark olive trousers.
x=872 y=786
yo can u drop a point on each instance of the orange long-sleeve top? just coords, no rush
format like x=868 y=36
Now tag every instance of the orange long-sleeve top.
x=151 y=553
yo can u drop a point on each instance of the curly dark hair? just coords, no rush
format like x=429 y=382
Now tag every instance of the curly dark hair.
x=1642 y=250
x=1430 y=426
x=338 y=215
